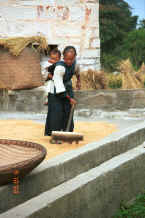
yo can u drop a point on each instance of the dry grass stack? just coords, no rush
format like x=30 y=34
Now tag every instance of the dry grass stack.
x=20 y=62
x=92 y=80
x=142 y=69
x=129 y=80
x=140 y=74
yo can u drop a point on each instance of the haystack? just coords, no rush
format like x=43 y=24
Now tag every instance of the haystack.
x=142 y=68
x=92 y=80
x=20 y=64
x=140 y=74
x=129 y=80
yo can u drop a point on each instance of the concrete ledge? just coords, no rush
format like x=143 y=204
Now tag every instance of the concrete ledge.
x=64 y=167
x=32 y=100
x=96 y=193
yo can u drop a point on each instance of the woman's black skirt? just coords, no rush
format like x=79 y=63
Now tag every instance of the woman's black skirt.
x=58 y=114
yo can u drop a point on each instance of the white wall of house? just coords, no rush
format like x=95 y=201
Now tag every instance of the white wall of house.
x=62 y=22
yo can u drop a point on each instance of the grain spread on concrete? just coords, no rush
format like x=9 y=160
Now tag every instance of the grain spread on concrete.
x=33 y=131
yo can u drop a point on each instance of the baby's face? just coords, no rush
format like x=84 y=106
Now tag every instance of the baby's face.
x=54 y=57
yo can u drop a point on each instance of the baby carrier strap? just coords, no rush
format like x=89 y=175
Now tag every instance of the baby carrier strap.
x=51 y=68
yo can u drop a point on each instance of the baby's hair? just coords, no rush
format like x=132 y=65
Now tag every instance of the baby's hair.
x=68 y=49
x=55 y=51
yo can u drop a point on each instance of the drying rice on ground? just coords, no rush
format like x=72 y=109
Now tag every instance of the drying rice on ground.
x=33 y=131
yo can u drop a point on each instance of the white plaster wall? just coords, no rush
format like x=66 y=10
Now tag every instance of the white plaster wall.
x=62 y=22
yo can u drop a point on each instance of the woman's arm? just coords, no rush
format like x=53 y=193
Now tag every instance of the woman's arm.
x=59 y=85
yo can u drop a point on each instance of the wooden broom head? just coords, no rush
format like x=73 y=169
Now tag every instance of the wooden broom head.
x=67 y=136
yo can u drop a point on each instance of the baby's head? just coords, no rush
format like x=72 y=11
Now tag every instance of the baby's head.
x=55 y=55
x=69 y=55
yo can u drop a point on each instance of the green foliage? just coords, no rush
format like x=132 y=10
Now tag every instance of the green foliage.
x=142 y=24
x=116 y=21
x=110 y=62
x=134 y=47
x=136 y=210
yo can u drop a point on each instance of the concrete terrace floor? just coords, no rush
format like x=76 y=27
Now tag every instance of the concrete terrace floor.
x=94 y=125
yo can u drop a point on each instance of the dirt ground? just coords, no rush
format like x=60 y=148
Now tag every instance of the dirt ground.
x=34 y=131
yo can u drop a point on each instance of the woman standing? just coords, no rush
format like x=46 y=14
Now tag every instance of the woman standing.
x=61 y=97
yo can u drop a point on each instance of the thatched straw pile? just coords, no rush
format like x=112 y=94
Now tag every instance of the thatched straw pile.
x=91 y=80
x=142 y=69
x=140 y=74
x=17 y=44
x=129 y=81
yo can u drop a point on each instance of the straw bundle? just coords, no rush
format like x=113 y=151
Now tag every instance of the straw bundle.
x=17 y=44
x=129 y=80
x=142 y=69
x=140 y=74
x=91 y=80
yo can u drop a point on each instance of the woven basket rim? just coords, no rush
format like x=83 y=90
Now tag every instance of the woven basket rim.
x=22 y=164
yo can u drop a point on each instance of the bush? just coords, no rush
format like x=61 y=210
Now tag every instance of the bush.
x=136 y=210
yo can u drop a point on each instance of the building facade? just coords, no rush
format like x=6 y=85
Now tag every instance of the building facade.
x=62 y=22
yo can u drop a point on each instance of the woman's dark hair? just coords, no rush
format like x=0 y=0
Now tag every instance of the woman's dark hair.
x=68 y=48
x=55 y=51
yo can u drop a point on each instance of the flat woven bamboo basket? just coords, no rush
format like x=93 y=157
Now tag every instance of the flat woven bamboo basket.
x=18 y=158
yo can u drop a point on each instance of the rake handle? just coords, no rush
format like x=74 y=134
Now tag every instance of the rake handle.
x=70 y=118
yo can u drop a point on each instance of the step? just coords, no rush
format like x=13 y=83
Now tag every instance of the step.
x=96 y=193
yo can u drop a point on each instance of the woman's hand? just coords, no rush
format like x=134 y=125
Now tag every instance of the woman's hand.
x=73 y=101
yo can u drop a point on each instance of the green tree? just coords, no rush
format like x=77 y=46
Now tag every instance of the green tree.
x=142 y=24
x=116 y=21
x=134 y=47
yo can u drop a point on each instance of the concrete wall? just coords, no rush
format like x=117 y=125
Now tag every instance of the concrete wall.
x=63 y=168
x=62 y=22
x=96 y=193
x=110 y=100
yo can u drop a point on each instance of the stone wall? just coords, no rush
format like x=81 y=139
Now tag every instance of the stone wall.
x=109 y=100
x=62 y=22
